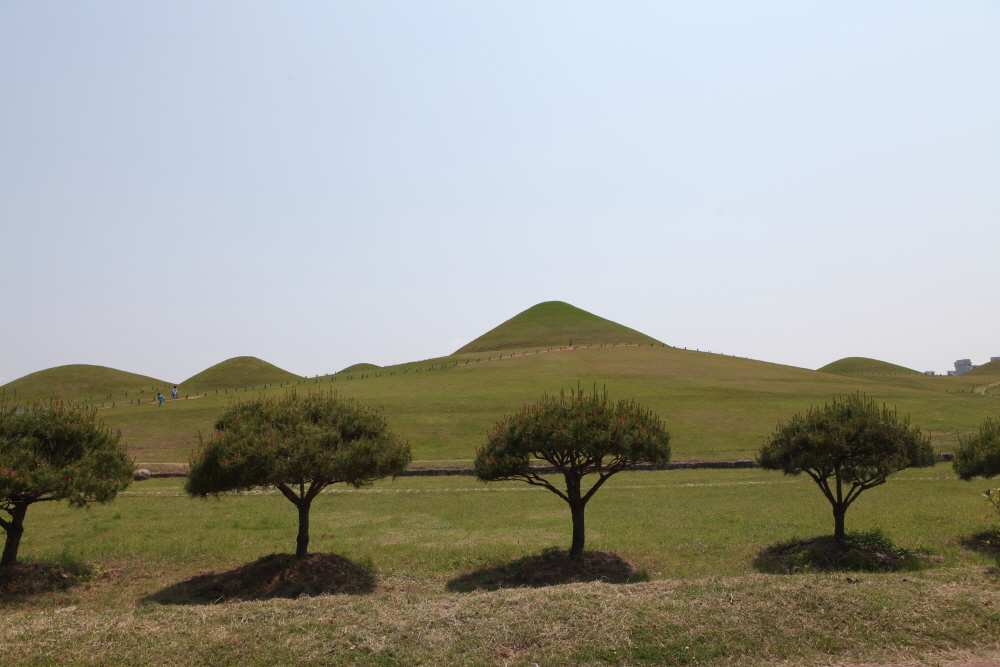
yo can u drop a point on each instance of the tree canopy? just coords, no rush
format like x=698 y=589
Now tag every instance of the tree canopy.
x=50 y=452
x=299 y=444
x=578 y=435
x=978 y=454
x=848 y=446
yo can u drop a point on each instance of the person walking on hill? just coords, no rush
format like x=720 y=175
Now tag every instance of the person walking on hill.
x=173 y=393
x=159 y=397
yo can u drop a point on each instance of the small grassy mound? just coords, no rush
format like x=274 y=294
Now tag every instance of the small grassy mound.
x=37 y=577
x=360 y=368
x=865 y=552
x=864 y=365
x=550 y=568
x=274 y=576
x=554 y=323
x=79 y=381
x=990 y=371
x=239 y=372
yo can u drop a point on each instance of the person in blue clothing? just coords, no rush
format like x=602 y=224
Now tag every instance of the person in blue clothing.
x=159 y=397
x=173 y=393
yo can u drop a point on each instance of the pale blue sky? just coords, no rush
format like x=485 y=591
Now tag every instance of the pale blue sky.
x=320 y=184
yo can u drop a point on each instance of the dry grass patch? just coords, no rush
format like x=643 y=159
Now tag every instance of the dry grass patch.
x=751 y=620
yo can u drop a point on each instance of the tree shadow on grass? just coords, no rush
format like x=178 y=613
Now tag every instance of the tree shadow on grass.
x=274 y=576
x=550 y=568
x=986 y=542
x=864 y=552
x=38 y=577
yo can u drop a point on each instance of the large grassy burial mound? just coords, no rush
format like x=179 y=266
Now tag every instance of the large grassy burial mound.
x=239 y=372
x=554 y=323
x=990 y=371
x=865 y=366
x=360 y=368
x=78 y=381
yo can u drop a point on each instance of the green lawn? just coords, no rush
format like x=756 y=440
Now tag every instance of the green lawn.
x=694 y=532
x=683 y=523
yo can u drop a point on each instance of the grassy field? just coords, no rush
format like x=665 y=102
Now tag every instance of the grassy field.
x=716 y=407
x=694 y=534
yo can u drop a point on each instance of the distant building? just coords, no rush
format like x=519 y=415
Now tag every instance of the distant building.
x=962 y=366
x=994 y=358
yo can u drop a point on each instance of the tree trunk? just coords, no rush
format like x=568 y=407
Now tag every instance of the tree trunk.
x=838 y=522
x=576 y=509
x=302 y=541
x=15 y=528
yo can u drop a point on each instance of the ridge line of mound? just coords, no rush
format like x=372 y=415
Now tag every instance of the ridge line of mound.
x=239 y=372
x=554 y=323
x=865 y=366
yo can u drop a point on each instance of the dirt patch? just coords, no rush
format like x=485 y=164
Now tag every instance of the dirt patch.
x=274 y=576
x=38 y=577
x=550 y=568
x=864 y=552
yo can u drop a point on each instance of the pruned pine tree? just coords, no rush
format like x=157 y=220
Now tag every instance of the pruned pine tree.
x=299 y=444
x=847 y=446
x=978 y=454
x=51 y=452
x=579 y=435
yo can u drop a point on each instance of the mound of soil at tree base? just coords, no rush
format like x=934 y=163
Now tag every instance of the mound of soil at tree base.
x=550 y=568
x=865 y=552
x=274 y=576
x=37 y=577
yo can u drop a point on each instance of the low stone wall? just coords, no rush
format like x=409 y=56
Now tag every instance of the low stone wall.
x=550 y=470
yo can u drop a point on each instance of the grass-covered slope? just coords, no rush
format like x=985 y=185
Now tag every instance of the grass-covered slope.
x=239 y=372
x=554 y=323
x=715 y=406
x=78 y=381
x=865 y=366
x=989 y=371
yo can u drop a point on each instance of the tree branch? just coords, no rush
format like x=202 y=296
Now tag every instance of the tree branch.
x=603 y=477
x=281 y=486
x=535 y=480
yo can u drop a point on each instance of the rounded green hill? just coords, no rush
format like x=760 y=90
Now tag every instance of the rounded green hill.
x=359 y=368
x=865 y=366
x=554 y=323
x=239 y=372
x=79 y=381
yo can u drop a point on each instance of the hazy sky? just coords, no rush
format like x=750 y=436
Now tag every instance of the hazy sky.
x=320 y=184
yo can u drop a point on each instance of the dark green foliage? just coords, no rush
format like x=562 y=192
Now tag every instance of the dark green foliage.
x=848 y=446
x=978 y=455
x=51 y=452
x=579 y=435
x=298 y=444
